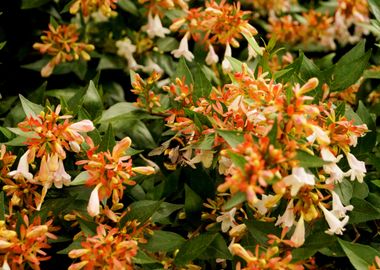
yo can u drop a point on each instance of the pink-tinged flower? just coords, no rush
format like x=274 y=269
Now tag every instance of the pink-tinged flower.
x=212 y=57
x=287 y=219
x=5 y=265
x=61 y=176
x=336 y=225
x=226 y=65
x=338 y=209
x=318 y=134
x=298 y=179
x=22 y=168
x=357 y=170
x=151 y=66
x=93 y=203
x=298 y=237
x=154 y=27
x=183 y=49
x=82 y=126
x=227 y=219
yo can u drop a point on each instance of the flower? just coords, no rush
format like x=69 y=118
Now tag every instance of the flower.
x=93 y=203
x=227 y=219
x=61 y=176
x=336 y=226
x=183 y=49
x=287 y=219
x=331 y=168
x=298 y=237
x=297 y=179
x=212 y=57
x=154 y=27
x=357 y=170
x=318 y=134
x=22 y=168
x=226 y=65
x=338 y=209
x=267 y=201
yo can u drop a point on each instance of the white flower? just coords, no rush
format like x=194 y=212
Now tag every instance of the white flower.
x=262 y=205
x=338 y=209
x=212 y=57
x=93 y=203
x=99 y=17
x=298 y=237
x=183 y=49
x=22 y=168
x=61 y=176
x=336 y=226
x=82 y=126
x=227 y=219
x=125 y=48
x=357 y=170
x=225 y=165
x=297 y=179
x=151 y=66
x=318 y=134
x=331 y=168
x=287 y=219
x=226 y=65
x=154 y=27
x=5 y=265
x=236 y=104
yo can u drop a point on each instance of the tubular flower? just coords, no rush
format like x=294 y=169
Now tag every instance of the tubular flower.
x=19 y=251
x=297 y=179
x=109 y=249
x=154 y=27
x=106 y=7
x=183 y=49
x=298 y=237
x=357 y=170
x=109 y=172
x=336 y=226
x=61 y=42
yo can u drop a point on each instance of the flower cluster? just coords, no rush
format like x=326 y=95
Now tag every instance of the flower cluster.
x=61 y=42
x=106 y=7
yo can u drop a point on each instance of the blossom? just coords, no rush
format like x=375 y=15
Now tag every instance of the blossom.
x=336 y=225
x=358 y=168
x=183 y=49
x=287 y=219
x=226 y=65
x=318 y=134
x=338 y=209
x=298 y=237
x=154 y=27
x=212 y=57
x=267 y=201
x=93 y=203
x=331 y=168
x=61 y=176
x=297 y=179
x=227 y=219
x=22 y=168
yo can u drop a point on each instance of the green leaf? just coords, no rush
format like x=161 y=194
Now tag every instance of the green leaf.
x=2 y=44
x=363 y=211
x=193 y=202
x=217 y=249
x=167 y=44
x=361 y=190
x=141 y=210
x=92 y=100
x=272 y=135
x=237 y=159
x=313 y=243
x=74 y=245
x=128 y=6
x=87 y=227
x=183 y=72
x=193 y=248
x=118 y=111
x=164 y=241
x=142 y=258
x=236 y=199
x=237 y=66
x=80 y=179
x=374 y=6
x=259 y=230
x=309 y=161
x=108 y=140
x=351 y=115
x=361 y=256
x=350 y=67
x=369 y=141
x=202 y=86
x=30 y=108
x=140 y=134
x=344 y=190
x=28 y=4
x=165 y=210
x=206 y=143
x=233 y=138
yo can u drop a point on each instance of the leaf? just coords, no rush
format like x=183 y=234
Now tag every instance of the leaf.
x=350 y=67
x=74 y=245
x=233 y=138
x=167 y=44
x=363 y=211
x=87 y=227
x=361 y=256
x=361 y=190
x=30 y=108
x=237 y=66
x=142 y=258
x=92 y=100
x=236 y=199
x=128 y=6
x=183 y=72
x=164 y=241
x=80 y=179
x=313 y=243
x=118 y=111
x=202 y=86
x=369 y=141
x=141 y=210
x=206 y=143
x=374 y=6
x=309 y=161
x=217 y=250
x=2 y=44
x=108 y=140
x=237 y=159
x=2 y=206
x=259 y=230
x=165 y=210
x=193 y=202
x=344 y=189
x=193 y=248
x=140 y=134
x=272 y=135
x=28 y=4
